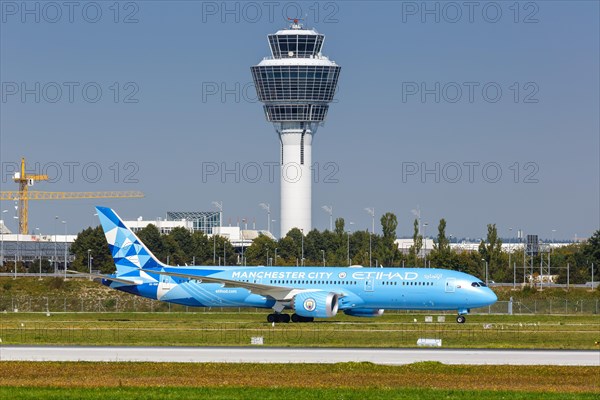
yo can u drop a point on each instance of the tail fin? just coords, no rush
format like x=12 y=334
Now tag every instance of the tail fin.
x=128 y=251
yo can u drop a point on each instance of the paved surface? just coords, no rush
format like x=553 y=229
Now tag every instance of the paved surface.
x=298 y=355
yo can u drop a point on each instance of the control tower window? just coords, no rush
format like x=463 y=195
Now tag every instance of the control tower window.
x=295 y=46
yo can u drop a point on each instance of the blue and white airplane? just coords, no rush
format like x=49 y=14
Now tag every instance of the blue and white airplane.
x=310 y=292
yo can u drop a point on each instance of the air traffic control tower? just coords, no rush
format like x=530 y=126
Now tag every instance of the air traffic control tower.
x=296 y=85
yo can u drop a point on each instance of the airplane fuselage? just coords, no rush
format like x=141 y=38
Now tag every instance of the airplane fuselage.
x=369 y=288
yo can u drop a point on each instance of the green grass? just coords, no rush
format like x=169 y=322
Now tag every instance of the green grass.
x=427 y=380
x=236 y=329
x=275 y=394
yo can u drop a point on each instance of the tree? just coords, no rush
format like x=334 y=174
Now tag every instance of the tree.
x=173 y=253
x=442 y=244
x=442 y=256
x=492 y=251
x=415 y=249
x=150 y=236
x=183 y=237
x=340 y=226
x=92 y=239
x=261 y=248
x=591 y=250
x=389 y=224
x=226 y=254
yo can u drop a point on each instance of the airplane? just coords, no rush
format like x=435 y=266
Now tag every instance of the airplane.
x=310 y=292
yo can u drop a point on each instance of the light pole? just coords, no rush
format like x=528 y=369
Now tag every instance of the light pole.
x=371 y=212
x=89 y=261
x=55 y=252
x=2 y=239
x=509 y=255
x=425 y=243
x=348 y=244
x=18 y=238
x=242 y=235
x=486 y=271
x=65 y=223
x=276 y=255
x=39 y=250
x=219 y=206
x=329 y=210
x=323 y=253
x=302 y=255
x=267 y=208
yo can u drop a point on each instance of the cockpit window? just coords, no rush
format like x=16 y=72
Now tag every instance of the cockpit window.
x=475 y=284
x=482 y=284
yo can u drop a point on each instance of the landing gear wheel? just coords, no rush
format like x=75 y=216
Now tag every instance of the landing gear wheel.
x=271 y=318
x=299 y=318
x=285 y=318
x=461 y=319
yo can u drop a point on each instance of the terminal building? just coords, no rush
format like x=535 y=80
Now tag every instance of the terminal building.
x=207 y=222
x=31 y=248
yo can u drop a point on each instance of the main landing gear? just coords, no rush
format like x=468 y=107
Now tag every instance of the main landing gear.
x=461 y=319
x=285 y=318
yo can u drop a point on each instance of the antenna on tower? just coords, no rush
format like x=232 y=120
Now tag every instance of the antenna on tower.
x=295 y=23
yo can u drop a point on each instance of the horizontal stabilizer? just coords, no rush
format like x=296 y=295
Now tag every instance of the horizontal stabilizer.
x=108 y=278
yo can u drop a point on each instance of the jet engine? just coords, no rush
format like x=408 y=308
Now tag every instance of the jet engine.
x=319 y=304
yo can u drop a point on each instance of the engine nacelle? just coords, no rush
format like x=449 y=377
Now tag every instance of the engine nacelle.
x=365 y=312
x=316 y=304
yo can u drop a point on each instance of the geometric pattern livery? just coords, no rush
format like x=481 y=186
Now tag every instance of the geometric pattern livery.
x=128 y=252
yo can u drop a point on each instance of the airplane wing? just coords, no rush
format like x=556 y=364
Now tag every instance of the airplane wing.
x=108 y=278
x=280 y=293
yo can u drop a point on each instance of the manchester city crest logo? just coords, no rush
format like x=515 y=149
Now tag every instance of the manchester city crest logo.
x=310 y=305
x=342 y=275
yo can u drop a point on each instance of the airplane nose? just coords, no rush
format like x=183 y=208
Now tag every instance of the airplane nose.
x=491 y=296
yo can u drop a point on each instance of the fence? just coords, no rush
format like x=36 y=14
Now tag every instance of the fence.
x=139 y=304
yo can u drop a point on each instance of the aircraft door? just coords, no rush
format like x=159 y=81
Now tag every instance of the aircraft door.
x=450 y=285
x=369 y=284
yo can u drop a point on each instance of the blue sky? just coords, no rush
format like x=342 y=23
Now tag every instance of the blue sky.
x=415 y=94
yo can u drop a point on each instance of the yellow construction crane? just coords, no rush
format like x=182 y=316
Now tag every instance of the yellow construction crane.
x=23 y=195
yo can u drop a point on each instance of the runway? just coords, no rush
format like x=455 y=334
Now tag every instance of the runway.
x=299 y=355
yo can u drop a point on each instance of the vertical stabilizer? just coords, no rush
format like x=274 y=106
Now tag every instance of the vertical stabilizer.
x=127 y=250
